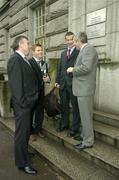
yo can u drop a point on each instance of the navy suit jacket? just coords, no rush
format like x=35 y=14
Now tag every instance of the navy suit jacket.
x=37 y=72
x=23 y=83
x=63 y=78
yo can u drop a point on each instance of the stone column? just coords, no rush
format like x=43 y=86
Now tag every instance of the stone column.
x=112 y=39
x=77 y=15
x=4 y=100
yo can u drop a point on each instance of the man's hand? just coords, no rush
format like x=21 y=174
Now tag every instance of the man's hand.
x=70 y=69
x=46 y=78
x=57 y=85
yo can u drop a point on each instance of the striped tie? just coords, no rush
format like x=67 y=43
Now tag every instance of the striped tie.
x=68 y=53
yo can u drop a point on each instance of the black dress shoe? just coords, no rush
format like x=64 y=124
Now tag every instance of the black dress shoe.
x=60 y=129
x=82 y=146
x=28 y=170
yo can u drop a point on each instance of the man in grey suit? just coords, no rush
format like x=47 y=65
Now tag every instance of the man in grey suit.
x=84 y=84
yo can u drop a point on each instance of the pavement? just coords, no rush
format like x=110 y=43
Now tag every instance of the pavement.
x=8 y=170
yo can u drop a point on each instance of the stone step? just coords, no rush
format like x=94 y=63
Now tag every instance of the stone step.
x=101 y=154
x=71 y=163
x=106 y=133
x=106 y=118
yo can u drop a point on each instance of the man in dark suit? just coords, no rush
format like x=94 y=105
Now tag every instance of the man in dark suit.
x=24 y=93
x=84 y=84
x=64 y=82
x=40 y=70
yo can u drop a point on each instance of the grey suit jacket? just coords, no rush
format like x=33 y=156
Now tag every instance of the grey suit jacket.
x=84 y=73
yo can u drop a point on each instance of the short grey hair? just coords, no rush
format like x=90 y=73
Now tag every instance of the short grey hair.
x=82 y=36
x=15 y=44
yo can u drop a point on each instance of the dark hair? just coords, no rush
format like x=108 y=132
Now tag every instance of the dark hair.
x=15 y=44
x=82 y=36
x=69 y=33
x=35 y=45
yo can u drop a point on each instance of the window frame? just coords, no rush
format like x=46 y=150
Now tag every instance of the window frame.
x=39 y=18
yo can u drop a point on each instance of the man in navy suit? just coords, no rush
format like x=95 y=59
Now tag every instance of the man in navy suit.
x=64 y=83
x=41 y=73
x=24 y=94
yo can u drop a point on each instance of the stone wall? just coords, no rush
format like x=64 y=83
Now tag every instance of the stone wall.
x=107 y=93
x=106 y=44
x=63 y=15
x=13 y=22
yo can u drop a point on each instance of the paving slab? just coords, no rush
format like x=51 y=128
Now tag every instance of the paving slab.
x=8 y=171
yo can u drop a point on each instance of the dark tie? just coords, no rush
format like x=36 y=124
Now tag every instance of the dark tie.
x=68 y=53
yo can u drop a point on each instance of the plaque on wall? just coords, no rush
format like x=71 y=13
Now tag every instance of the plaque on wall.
x=96 y=17
x=97 y=30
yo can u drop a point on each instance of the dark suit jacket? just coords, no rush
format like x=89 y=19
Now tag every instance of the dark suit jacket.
x=37 y=72
x=23 y=82
x=62 y=77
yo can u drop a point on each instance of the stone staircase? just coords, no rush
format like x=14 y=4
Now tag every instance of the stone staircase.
x=98 y=163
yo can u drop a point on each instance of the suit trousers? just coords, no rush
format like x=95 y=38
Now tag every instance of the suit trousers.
x=37 y=114
x=86 y=113
x=66 y=95
x=22 y=134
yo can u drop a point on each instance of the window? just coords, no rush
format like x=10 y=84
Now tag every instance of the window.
x=39 y=26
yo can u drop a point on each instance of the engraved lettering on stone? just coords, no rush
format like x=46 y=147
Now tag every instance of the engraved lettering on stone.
x=96 y=30
x=96 y=17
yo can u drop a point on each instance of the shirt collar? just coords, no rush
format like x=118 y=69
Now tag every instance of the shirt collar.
x=71 y=49
x=21 y=54
x=35 y=58
x=83 y=46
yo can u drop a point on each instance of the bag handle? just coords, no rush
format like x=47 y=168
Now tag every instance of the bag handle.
x=53 y=89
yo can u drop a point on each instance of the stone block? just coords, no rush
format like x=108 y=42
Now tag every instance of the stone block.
x=4 y=100
x=2 y=33
x=2 y=61
x=57 y=25
x=76 y=15
x=3 y=47
x=108 y=97
x=111 y=1
x=54 y=54
x=95 y=5
x=112 y=18
x=19 y=17
x=18 y=6
x=56 y=9
x=2 y=2
x=112 y=46
x=19 y=28
x=4 y=22
x=101 y=50
x=55 y=41
x=98 y=41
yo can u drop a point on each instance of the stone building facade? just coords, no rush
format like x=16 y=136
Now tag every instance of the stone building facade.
x=47 y=21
